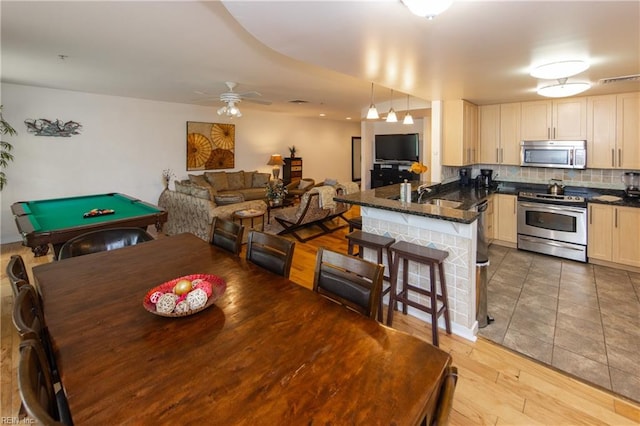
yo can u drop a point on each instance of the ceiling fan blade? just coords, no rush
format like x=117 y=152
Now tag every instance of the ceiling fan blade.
x=257 y=101
x=252 y=94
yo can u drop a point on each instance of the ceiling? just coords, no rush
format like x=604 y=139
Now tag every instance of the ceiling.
x=326 y=53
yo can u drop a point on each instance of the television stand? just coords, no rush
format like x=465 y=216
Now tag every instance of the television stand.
x=383 y=175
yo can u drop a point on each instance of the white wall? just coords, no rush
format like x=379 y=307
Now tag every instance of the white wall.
x=125 y=144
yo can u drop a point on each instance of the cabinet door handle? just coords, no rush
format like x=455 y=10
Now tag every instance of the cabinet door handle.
x=501 y=155
x=548 y=132
x=590 y=215
x=619 y=157
x=498 y=155
x=554 y=132
x=615 y=216
x=613 y=157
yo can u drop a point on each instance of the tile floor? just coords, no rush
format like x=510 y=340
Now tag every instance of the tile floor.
x=580 y=318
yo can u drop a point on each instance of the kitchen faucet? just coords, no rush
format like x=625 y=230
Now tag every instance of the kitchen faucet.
x=422 y=189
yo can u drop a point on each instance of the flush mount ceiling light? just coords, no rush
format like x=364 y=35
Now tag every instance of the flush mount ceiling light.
x=559 y=69
x=391 y=116
x=427 y=8
x=563 y=89
x=408 y=119
x=372 y=114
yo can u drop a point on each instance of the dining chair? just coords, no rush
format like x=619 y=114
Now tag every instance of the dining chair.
x=36 y=386
x=445 y=399
x=28 y=320
x=227 y=235
x=103 y=240
x=17 y=273
x=270 y=252
x=353 y=282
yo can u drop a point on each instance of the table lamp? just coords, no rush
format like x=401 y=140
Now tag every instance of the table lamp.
x=276 y=161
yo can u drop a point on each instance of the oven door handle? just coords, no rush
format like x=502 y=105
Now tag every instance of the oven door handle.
x=549 y=243
x=550 y=207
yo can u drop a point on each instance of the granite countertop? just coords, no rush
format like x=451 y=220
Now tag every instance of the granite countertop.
x=388 y=198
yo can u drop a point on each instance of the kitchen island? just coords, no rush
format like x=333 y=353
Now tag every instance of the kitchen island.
x=450 y=229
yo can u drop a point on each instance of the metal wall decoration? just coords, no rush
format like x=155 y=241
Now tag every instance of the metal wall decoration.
x=210 y=145
x=44 y=127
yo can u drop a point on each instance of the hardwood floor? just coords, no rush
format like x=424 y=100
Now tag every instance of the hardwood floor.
x=496 y=386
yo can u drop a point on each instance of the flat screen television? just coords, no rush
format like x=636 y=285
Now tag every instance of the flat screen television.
x=397 y=148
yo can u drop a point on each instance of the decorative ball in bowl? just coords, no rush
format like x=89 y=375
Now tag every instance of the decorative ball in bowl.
x=184 y=296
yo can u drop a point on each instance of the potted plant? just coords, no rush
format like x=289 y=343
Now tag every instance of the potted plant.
x=5 y=149
x=292 y=151
x=276 y=192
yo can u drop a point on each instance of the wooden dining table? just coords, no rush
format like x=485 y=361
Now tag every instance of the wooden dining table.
x=268 y=351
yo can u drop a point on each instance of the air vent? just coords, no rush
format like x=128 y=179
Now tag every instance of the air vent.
x=298 y=102
x=633 y=77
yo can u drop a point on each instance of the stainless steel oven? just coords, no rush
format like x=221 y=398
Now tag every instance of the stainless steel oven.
x=554 y=225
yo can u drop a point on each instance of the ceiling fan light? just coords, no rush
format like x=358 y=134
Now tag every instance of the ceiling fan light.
x=222 y=110
x=372 y=114
x=563 y=89
x=408 y=119
x=391 y=117
x=427 y=8
x=560 y=69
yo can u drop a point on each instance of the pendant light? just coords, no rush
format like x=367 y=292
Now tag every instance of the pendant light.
x=391 y=116
x=408 y=119
x=372 y=114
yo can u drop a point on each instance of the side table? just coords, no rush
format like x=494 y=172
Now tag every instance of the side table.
x=249 y=214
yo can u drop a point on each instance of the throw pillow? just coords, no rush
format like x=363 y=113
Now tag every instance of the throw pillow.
x=260 y=180
x=225 y=199
x=304 y=184
x=200 y=192
x=235 y=179
x=218 y=180
x=248 y=179
x=199 y=180
x=183 y=186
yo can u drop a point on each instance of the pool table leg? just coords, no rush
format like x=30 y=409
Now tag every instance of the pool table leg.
x=40 y=250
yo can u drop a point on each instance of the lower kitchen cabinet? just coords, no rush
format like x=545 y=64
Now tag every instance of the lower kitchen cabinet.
x=505 y=225
x=613 y=234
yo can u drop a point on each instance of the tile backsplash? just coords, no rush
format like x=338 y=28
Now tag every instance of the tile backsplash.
x=594 y=178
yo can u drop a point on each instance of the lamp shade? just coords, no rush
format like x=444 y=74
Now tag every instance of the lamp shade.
x=427 y=8
x=275 y=160
x=561 y=69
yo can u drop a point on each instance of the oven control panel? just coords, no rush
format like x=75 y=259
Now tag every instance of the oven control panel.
x=551 y=197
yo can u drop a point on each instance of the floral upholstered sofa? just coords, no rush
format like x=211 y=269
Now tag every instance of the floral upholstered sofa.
x=191 y=209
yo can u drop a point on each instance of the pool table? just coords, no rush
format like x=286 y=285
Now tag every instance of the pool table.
x=55 y=221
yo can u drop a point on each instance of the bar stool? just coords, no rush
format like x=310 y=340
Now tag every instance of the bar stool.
x=379 y=243
x=405 y=252
x=355 y=223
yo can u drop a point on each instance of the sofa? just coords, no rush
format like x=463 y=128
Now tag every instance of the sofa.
x=230 y=187
x=191 y=209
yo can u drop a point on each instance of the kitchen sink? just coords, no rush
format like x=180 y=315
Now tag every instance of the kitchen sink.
x=443 y=203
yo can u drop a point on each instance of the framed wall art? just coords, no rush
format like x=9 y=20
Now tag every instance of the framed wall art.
x=210 y=145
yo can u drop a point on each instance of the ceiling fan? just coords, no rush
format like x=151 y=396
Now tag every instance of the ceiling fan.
x=232 y=98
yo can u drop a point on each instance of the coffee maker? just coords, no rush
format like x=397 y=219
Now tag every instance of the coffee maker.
x=631 y=181
x=484 y=179
x=465 y=176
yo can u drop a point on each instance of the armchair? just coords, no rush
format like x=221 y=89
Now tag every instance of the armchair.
x=297 y=188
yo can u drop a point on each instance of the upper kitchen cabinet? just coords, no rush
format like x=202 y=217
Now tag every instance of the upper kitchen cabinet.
x=499 y=130
x=628 y=131
x=601 y=132
x=613 y=131
x=563 y=119
x=460 y=133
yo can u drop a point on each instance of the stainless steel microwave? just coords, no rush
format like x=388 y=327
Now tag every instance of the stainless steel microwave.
x=560 y=154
